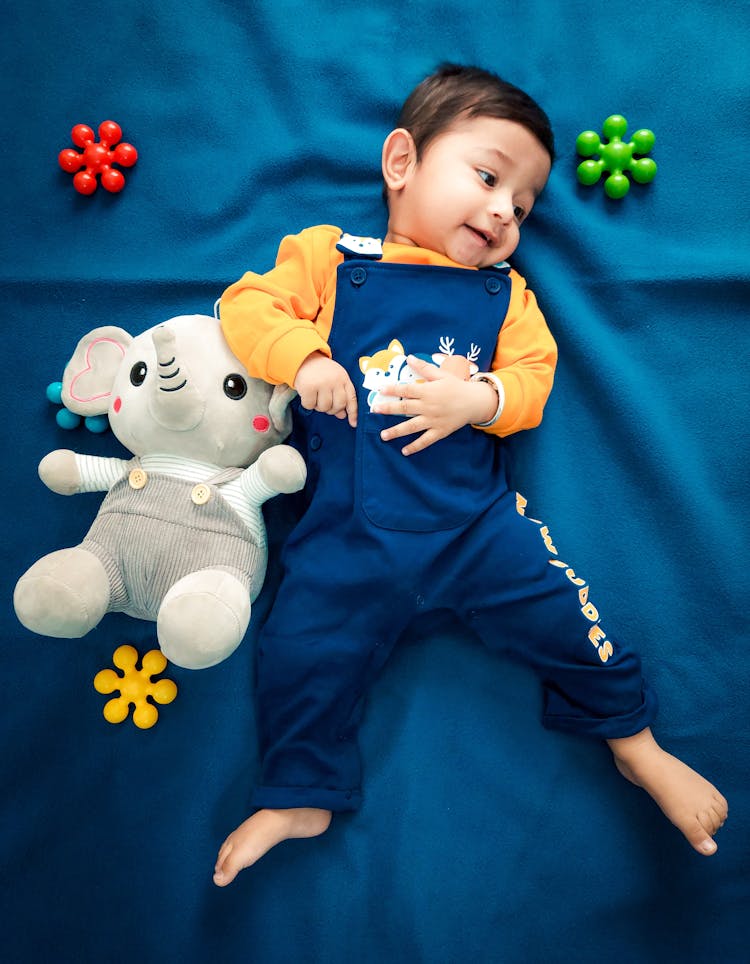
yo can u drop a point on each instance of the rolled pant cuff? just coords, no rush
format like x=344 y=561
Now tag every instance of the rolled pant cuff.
x=288 y=798
x=607 y=728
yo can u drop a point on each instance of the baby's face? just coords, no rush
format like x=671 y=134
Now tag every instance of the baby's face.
x=469 y=194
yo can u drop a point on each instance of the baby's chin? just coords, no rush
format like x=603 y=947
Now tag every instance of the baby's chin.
x=488 y=262
x=466 y=250
x=497 y=256
x=491 y=262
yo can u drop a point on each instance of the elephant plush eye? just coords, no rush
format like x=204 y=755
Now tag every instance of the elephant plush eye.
x=235 y=387
x=138 y=373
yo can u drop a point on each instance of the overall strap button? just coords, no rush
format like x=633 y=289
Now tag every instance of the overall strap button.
x=358 y=277
x=137 y=479
x=493 y=284
x=200 y=493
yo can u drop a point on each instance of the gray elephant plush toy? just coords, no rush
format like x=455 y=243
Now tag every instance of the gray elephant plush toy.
x=180 y=537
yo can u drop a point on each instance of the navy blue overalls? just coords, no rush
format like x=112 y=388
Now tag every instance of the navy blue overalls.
x=386 y=538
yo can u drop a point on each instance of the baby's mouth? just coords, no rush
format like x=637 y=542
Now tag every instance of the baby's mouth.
x=481 y=235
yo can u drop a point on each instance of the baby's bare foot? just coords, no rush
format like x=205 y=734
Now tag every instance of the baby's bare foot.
x=259 y=833
x=692 y=804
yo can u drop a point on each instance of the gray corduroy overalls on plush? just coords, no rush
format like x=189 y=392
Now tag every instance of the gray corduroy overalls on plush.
x=149 y=538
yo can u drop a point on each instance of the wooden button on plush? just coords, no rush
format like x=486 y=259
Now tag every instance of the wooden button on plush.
x=201 y=493
x=137 y=479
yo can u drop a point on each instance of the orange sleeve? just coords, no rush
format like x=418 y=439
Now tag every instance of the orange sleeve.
x=525 y=359
x=270 y=321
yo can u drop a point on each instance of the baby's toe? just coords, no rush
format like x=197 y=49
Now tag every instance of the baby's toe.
x=700 y=832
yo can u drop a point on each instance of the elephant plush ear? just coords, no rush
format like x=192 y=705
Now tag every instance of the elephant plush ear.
x=278 y=409
x=90 y=373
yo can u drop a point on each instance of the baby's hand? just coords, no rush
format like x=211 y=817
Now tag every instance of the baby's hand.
x=436 y=407
x=324 y=386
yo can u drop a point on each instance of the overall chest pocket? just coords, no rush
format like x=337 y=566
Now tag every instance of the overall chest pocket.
x=442 y=487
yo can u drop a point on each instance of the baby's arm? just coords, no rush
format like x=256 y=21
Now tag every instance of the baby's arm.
x=324 y=386
x=521 y=378
x=272 y=321
x=437 y=405
x=524 y=363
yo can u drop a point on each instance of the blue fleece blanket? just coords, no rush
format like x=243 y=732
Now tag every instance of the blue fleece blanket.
x=482 y=837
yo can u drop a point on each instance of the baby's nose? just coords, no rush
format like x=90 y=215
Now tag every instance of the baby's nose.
x=501 y=207
x=504 y=213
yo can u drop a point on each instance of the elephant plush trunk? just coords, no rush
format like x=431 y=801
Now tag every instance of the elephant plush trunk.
x=175 y=402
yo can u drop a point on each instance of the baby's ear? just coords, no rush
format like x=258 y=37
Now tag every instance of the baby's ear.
x=399 y=158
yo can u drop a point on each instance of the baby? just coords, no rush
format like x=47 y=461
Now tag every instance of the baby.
x=428 y=350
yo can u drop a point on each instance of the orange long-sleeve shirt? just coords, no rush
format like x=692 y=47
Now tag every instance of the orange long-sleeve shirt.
x=274 y=321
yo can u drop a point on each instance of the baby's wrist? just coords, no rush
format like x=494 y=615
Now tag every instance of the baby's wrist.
x=493 y=399
x=307 y=363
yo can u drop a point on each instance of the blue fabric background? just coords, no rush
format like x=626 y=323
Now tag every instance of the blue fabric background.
x=482 y=837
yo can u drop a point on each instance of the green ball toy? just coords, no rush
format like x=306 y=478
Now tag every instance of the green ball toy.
x=616 y=156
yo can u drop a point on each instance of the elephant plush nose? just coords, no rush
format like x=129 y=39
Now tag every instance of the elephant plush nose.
x=171 y=378
x=175 y=402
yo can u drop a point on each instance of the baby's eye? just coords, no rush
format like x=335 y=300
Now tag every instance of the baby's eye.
x=489 y=179
x=519 y=213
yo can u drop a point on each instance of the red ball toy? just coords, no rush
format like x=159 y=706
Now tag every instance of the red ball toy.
x=97 y=158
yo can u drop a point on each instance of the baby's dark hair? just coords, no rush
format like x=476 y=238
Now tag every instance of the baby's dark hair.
x=454 y=90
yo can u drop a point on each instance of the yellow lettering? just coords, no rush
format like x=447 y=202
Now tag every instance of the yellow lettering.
x=577 y=581
x=595 y=634
x=590 y=612
x=521 y=504
x=583 y=595
x=548 y=539
x=558 y=562
x=605 y=651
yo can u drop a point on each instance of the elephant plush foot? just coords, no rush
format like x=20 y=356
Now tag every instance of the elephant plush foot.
x=64 y=594
x=203 y=618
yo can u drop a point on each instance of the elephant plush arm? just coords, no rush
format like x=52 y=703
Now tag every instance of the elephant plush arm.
x=67 y=473
x=280 y=469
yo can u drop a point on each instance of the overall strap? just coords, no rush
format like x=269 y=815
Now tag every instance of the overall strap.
x=226 y=475
x=352 y=246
